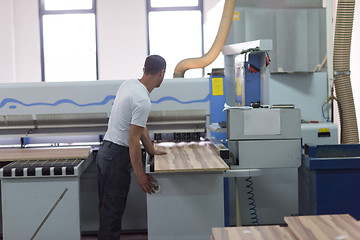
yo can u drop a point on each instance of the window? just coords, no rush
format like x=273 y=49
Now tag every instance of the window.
x=68 y=40
x=175 y=32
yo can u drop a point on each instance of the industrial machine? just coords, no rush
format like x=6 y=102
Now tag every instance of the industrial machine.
x=76 y=114
x=84 y=107
x=327 y=177
x=40 y=192
x=265 y=141
x=265 y=131
x=276 y=107
x=266 y=144
x=258 y=132
x=189 y=200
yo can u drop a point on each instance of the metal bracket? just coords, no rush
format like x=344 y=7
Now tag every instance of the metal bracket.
x=347 y=73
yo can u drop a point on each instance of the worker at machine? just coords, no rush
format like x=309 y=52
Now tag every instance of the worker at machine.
x=121 y=147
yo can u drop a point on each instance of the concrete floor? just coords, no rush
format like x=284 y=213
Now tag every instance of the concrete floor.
x=124 y=236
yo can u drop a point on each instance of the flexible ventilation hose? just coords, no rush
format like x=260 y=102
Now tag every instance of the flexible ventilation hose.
x=211 y=55
x=342 y=46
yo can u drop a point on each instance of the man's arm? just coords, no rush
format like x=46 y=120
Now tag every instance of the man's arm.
x=144 y=180
x=149 y=147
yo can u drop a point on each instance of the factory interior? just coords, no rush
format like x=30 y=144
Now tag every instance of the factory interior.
x=258 y=113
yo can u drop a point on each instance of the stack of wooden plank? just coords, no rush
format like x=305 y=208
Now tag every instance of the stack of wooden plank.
x=18 y=154
x=319 y=227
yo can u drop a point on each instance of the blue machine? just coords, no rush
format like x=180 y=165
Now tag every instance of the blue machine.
x=247 y=88
x=329 y=180
x=247 y=77
x=248 y=73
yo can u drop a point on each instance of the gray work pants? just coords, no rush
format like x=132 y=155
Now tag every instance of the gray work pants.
x=114 y=169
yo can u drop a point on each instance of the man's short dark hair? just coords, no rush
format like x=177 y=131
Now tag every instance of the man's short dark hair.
x=154 y=64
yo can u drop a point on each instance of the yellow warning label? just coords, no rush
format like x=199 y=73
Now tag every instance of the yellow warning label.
x=236 y=16
x=217 y=87
x=324 y=130
x=238 y=86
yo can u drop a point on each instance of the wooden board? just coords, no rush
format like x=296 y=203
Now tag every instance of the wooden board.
x=17 y=154
x=253 y=233
x=324 y=227
x=188 y=157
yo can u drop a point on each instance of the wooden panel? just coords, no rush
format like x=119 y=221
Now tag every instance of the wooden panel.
x=324 y=227
x=187 y=157
x=253 y=233
x=43 y=153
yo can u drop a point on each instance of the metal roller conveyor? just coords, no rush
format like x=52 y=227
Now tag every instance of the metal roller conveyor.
x=42 y=168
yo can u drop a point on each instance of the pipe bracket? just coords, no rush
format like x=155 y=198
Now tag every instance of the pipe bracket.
x=342 y=73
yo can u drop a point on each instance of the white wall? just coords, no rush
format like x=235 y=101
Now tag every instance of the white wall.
x=213 y=10
x=122 y=38
x=19 y=41
x=27 y=41
x=7 y=56
x=121 y=33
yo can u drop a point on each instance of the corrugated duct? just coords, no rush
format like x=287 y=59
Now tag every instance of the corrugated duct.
x=211 y=55
x=344 y=94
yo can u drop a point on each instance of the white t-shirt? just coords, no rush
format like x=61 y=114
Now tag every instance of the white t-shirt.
x=131 y=106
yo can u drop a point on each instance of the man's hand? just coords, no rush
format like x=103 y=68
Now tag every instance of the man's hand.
x=149 y=147
x=145 y=182
x=158 y=152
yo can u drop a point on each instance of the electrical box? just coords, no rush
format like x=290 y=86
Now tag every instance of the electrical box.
x=319 y=133
x=265 y=138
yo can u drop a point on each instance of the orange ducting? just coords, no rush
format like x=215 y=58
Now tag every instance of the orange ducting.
x=211 y=55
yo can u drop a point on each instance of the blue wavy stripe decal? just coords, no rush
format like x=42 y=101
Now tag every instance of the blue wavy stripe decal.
x=108 y=98
x=163 y=99
x=61 y=101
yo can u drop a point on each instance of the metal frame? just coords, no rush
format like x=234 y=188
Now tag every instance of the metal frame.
x=200 y=8
x=330 y=52
x=48 y=188
x=43 y=12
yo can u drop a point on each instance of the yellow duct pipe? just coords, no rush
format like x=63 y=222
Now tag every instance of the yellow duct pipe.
x=211 y=55
x=344 y=94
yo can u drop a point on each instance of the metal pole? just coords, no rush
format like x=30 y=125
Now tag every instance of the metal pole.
x=49 y=213
x=330 y=47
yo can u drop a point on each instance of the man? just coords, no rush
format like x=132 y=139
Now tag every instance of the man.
x=121 y=148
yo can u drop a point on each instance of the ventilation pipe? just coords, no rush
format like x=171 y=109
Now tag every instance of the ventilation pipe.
x=344 y=94
x=211 y=55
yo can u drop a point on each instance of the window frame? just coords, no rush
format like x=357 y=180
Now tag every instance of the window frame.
x=200 y=8
x=43 y=12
